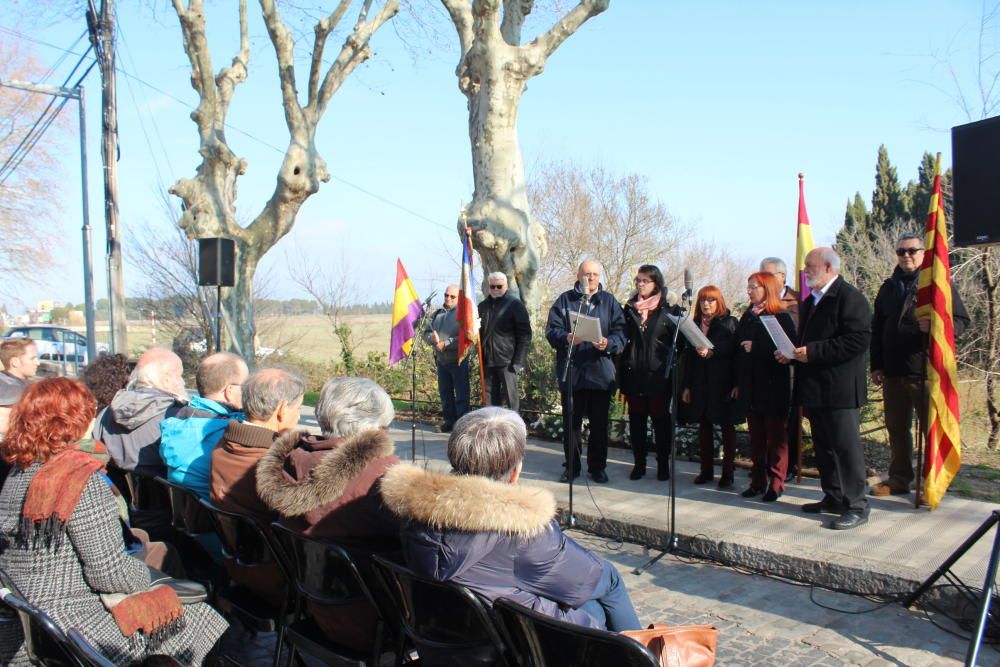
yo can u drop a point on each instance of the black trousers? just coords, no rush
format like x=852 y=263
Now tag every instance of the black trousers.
x=501 y=388
x=837 y=440
x=594 y=405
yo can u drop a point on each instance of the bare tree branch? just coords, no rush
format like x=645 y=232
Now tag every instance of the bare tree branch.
x=545 y=45
x=514 y=13
x=461 y=15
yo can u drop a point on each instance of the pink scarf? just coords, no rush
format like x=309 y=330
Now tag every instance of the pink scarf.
x=643 y=306
x=706 y=323
x=758 y=309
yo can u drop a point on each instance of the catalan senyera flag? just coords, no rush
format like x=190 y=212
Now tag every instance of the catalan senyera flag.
x=406 y=310
x=942 y=452
x=467 y=316
x=803 y=242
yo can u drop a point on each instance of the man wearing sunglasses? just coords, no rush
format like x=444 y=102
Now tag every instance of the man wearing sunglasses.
x=452 y=373
x=899 y=340
x=505 y=332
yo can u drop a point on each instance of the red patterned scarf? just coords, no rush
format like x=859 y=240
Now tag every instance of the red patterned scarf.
x=156 y=613
x=52 y=496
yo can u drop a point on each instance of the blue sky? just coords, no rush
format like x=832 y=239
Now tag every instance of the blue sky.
x=719 y=104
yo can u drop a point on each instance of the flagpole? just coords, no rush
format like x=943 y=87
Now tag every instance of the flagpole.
x=479 y=342
x=920 y=429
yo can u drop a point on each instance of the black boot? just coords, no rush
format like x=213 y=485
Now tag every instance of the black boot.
x=637 y=436
x=663 y=437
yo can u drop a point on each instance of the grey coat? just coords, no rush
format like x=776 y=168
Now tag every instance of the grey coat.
x=130 y=428
x=444 y=325
x=65 y=583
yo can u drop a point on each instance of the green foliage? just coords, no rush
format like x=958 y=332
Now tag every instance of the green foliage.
x=918 y=193
x=857 y=216
x=888 y=207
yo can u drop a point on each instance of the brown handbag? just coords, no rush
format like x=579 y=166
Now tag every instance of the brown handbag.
x=679 y=646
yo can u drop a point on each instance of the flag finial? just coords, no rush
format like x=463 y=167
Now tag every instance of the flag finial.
x=802 y=176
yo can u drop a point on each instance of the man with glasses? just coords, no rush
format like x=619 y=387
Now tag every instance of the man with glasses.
x=899 y=343
x=505 y=335
x=452 y=375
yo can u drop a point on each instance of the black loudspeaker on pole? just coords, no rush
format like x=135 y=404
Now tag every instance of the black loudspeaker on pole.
x=217 y=267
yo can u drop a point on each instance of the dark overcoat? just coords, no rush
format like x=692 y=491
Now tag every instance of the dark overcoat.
x=711 y=380
x=765 y=385
x=643 y=363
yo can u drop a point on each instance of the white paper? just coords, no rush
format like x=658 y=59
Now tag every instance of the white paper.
x=778 y=336
x=692 y=332
x=588 y=329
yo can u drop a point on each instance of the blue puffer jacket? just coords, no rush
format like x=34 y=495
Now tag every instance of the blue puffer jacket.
x=500 y=540
x=187 y=441
x=592 y=368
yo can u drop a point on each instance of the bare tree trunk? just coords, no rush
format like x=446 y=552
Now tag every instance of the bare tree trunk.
x=492 y=74
x=210 y=197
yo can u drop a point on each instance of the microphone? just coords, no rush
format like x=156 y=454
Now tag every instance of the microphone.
x=688 y=286
x=427 y=302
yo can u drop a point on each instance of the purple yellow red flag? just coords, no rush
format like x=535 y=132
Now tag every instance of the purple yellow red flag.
x=467 y=316
x=942 y=456
x=803 y=242
x=406 y=310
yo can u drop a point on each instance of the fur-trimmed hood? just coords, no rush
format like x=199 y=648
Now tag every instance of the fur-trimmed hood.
x=326 y=482
x=467 y=503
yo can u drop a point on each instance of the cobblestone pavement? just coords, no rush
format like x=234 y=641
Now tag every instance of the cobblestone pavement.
x=766 y=621
x=761 y=620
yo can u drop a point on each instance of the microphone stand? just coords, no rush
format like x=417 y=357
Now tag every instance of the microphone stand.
x=671 y=366
x=572 y=451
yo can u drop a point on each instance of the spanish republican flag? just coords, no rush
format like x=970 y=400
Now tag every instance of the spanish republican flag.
x=803 y=242
x=942 y=456
x=467 y=316
x=406 y=310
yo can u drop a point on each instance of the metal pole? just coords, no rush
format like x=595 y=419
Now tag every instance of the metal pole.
x=975 y=643
x=218 y=318
x=88 y=262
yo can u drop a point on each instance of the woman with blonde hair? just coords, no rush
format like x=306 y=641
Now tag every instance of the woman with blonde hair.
x=765 y=387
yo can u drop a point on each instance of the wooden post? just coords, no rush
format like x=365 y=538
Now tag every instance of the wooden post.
x=102 y=36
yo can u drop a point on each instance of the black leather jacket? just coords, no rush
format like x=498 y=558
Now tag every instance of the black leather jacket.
x=505 y=331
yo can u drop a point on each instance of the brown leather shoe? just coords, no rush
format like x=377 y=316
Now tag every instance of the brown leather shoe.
x=886 y=489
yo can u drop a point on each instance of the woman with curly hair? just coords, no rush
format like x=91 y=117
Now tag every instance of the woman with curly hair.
x=62 y=543
x=106 y=376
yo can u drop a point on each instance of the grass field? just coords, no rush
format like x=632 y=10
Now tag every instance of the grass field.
x=308 y=337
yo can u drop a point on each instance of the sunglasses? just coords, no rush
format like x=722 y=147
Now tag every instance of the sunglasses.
x=908 y=251
x=708 y=299
x=451 y=296
x=496 y=286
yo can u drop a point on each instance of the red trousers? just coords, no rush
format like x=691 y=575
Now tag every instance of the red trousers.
x=769 y=450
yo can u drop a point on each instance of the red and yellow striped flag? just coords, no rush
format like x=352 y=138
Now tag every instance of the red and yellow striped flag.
x=942 y=456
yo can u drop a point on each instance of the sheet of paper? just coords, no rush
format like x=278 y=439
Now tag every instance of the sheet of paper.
x=692 y=332
x=778 y=335
x=588 y=329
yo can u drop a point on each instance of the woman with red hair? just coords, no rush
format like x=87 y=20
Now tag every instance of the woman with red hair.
x=765 y=387
x=707 y=388
x=62 y=541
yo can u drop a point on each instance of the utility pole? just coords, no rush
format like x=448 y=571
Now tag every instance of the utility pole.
x=101 y=27
x=88 y=269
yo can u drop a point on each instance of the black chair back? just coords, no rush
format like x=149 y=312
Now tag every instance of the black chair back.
x=146 y=493
x=188 y=516
x=447 y=622
x=244 y=541
x=539 y=640
x=44 y=642
x=85 y=651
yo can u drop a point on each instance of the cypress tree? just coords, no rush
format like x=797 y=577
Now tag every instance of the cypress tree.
x=887 y=199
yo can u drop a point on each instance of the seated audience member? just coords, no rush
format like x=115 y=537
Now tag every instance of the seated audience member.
x=9 y=395
x=327 y=487
x=19 y=357
x=190 y=436
x=478 y=527
x=272 y=403
x=63 y=544
x=130 y=426
x=106 y=376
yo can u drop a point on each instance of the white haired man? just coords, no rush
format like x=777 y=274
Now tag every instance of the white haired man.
x=593 y=372
x=505 y=335
x=452 y=373
x=479 y=528
x=830 y=385
x=130 y=426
